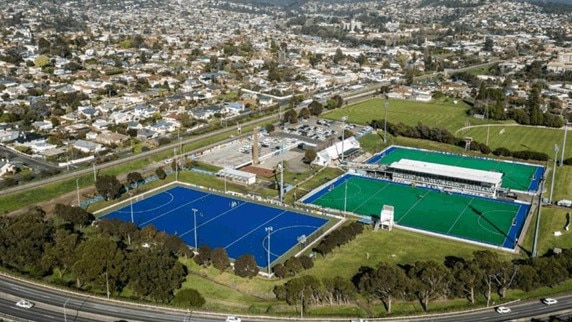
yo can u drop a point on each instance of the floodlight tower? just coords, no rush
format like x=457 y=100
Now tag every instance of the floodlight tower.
x=195 y=221
x=553 y=172
x=386 y=104
x=344 y=119
x=282 y=172
x=268 y=230
x=564 y=143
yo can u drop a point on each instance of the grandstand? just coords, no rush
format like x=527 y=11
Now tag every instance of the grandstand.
x=446 y=177
x=449 y=172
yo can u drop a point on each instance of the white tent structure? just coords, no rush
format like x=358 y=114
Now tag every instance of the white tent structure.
x=334 y=152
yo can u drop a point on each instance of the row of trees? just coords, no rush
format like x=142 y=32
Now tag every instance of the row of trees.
x=244 y=265
x=475 y=279
x=115 y=256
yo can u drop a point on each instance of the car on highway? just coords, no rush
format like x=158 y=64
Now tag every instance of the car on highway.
x=503 y=309
x=549 y=301
x=24 y=304
x=232 y=319
x=168 y=161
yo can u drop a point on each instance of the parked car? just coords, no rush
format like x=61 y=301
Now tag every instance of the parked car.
x=503 y=309
x=232 y=319
x=549 y=301
x=24 y=304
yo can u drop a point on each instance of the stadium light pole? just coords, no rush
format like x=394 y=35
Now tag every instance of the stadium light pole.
x=268 y=230
x=553 y=172
x=386 y=104
x=344 y=119
x=564 y=143
x=195 y=221
x=345 y=197
x=538 y=212
x=131 y=201
x=282 y=173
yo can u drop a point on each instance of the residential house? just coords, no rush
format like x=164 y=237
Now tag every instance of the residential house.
x=87 y=146
x=111 y=138
x=43 y=125
x=6 y=167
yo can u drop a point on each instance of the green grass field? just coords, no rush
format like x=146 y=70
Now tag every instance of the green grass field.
x=439 y=114
x=472 y=218
x=516 y=176
x=516 y=138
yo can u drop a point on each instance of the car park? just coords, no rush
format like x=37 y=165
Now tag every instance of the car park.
x=24 y=304
x=549 y=301
x=232 y=319
x=503 y=309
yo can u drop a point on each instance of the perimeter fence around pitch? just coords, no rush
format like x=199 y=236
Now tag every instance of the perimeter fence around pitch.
x=474 y=219
x=517 y=176
x=231 y=221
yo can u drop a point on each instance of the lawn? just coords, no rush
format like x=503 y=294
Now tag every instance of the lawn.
x=514 y=138
x=444 y=113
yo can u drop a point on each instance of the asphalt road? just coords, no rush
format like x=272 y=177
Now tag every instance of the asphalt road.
x=49 y=306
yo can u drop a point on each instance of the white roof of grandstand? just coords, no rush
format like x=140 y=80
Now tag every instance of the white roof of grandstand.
x=448 y=171
x=233 y=173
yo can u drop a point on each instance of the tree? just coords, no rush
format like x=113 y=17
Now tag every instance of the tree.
x=23 y=240
x=61 y=254
x=338 y=56
x=220 y=259
x=108 y=186
x=160 y=173
x=189 y=298
x=467 y=277
x=487 y=262
x=269 y=128
x=315 y=108
x=154 y=273
x=291 y=116
x=245 y=266
x=304 y=113
x=310 y=155
x=75 y=215
x=431 y=280
x=293 y=265
x=123 y=231
x=338 y=290
x=134 y=178
x=387 y=282
x=100 y=263
x=504 y=276
x=204 y=256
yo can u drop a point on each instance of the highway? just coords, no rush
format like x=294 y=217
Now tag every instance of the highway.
x=49 y=306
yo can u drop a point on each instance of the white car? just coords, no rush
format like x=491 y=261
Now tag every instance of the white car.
x=232 y=319
x=503 y=309
x=549 y=301
x=24 y=304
